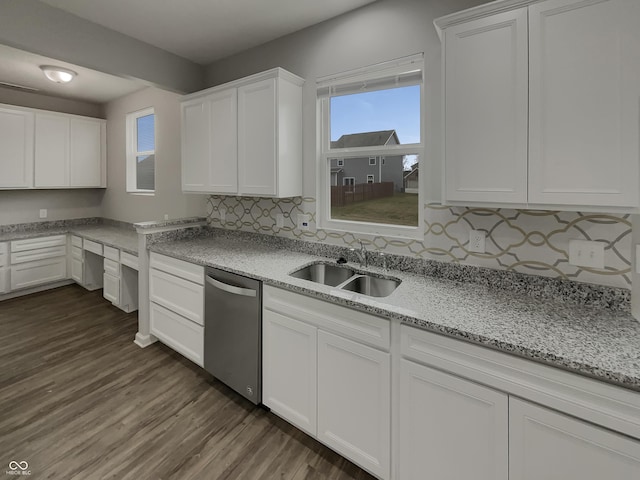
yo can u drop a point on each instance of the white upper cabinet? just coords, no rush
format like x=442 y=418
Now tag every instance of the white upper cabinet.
x=87 y=153
x=542 y=104
x=486 y=109
x=52 y=150
x=244 y=137
x=16 y=148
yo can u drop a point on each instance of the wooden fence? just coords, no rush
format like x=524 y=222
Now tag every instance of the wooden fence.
x=343 y=195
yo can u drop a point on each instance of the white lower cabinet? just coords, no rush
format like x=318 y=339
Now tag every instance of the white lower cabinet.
x=111 y=288
x=544 y=444
x=290 y=369
x=177 y=332
x=451 y=428
x=354 y=401
x=4 y=269
x=38 y=261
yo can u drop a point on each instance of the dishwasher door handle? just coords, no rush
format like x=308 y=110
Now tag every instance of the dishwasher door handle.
x=247 y=292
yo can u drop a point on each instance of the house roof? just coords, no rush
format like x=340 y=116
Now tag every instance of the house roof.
x=366 y=139
x=414 y=171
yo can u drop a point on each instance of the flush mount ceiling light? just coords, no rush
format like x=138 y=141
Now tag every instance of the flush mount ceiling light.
x=58 y=74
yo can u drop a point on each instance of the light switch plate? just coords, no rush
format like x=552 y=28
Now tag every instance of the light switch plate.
x=43 y=213
x=585 y=253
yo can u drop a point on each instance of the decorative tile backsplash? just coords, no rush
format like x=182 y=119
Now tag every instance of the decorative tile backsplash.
x=525 y=241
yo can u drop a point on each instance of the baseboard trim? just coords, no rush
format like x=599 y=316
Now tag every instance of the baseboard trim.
x=40 y=288
x=144 y=341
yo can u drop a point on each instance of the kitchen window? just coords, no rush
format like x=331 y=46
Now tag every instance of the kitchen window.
x=371 y=145
x=141 y=152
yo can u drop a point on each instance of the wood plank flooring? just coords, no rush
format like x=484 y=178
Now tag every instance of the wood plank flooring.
x=79 y=400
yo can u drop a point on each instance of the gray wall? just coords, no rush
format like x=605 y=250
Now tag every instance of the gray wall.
x=39 y=28
x=168 y=199
x=11 y=96
x=379 y=32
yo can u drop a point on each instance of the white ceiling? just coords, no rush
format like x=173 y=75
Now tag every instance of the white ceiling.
x=23 y=68
x=206 y=30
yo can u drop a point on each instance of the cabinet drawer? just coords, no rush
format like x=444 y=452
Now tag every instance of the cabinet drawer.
x=344 y=321
x=4 y=279
x=30 y=274
x=179 y=295
x=76 y=241
x=38 y=254
x=129 y=260
x=180 y=268
x=111 y=289
x=182 y=335
x=76 y=252
x=94 y=247
x=111 y=267
x=112 y=253
x=42 y=242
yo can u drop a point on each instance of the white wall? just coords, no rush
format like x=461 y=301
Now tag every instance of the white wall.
x=168 y=199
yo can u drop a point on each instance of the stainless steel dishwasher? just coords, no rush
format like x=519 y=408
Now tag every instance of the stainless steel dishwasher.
x=233 y=332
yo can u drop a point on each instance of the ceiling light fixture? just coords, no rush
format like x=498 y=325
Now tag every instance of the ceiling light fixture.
x=58 y=74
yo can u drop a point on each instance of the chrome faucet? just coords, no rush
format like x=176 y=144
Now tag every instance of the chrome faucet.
x=383 y=257
x=361 y=254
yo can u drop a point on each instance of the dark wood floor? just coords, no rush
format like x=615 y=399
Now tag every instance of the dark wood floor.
x=78 y=400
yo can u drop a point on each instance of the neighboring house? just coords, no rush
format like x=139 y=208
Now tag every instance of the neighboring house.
x=412 y=179
x=376 y=169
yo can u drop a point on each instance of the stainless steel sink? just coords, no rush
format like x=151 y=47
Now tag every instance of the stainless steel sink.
x=325 y=273
x=371 y=285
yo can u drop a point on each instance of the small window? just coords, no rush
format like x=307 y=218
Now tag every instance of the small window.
x=348 y=181
x=141 y=151
x=341 y=162
x=369 y=178
x=372 y=160
x=382 y=160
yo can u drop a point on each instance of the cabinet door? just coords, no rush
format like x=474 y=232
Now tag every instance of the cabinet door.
x=223 y=131
x=257 y=134
x=486 y=109
x=584 y=102
x=184 y=336
x=289 y=367
x=195 y=145
x=76 y=270
x=354 y=396
x=16 y=148
x=51 y=151
x=451 y=428
x=86 y=153
x=547 y=445
x=31 y=274
x=111 y=290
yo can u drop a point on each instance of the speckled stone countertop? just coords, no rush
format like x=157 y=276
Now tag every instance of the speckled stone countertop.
x=118 y=237
x=169 y=223
x=592 y=341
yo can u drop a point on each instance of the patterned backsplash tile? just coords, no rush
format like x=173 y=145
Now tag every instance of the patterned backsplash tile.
x=525 y=241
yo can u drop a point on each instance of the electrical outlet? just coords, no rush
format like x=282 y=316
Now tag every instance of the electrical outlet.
x=303 y=221
x=477 y=241
x=584 y=253
x=43 y=213
x=223 y=214
x=166 y=216
x=279 y=220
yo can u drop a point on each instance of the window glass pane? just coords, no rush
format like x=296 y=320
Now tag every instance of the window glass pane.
x=375 y=193
x=146 y=133
x=384 y=117
x=146 y=172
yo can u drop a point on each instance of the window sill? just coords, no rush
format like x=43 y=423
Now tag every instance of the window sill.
x=142 y=193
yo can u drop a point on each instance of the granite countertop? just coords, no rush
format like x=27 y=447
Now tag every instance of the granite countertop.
x=592 y=341
x=122 y=238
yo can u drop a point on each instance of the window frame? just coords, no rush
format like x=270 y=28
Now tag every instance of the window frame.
x=325 y=153
x=372 y=177
x=340 y=162
x=372 y=159
x=348 y=184
x=133 y=153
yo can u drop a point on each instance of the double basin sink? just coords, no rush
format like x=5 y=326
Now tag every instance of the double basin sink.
x=347 y=279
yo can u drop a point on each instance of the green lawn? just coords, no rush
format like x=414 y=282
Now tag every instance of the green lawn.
x=400 y=209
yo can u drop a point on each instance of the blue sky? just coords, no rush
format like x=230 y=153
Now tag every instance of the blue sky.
x=146 y=133
x=392 y=109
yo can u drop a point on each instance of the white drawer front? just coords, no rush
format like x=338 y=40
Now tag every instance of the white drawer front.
x=30 y=274
x=360 y=326
x=94 y=247
x=180 y=268
x=4 y=279
x=41 y=242
x=76 y=241
x=111 y=289
x=179 y=295
x=76 y=252
x=4 y=248
x=111 y=267
x=112 y=253
x=182 y=335
x=3 y=259
x=39 y=254
x=129 y=260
